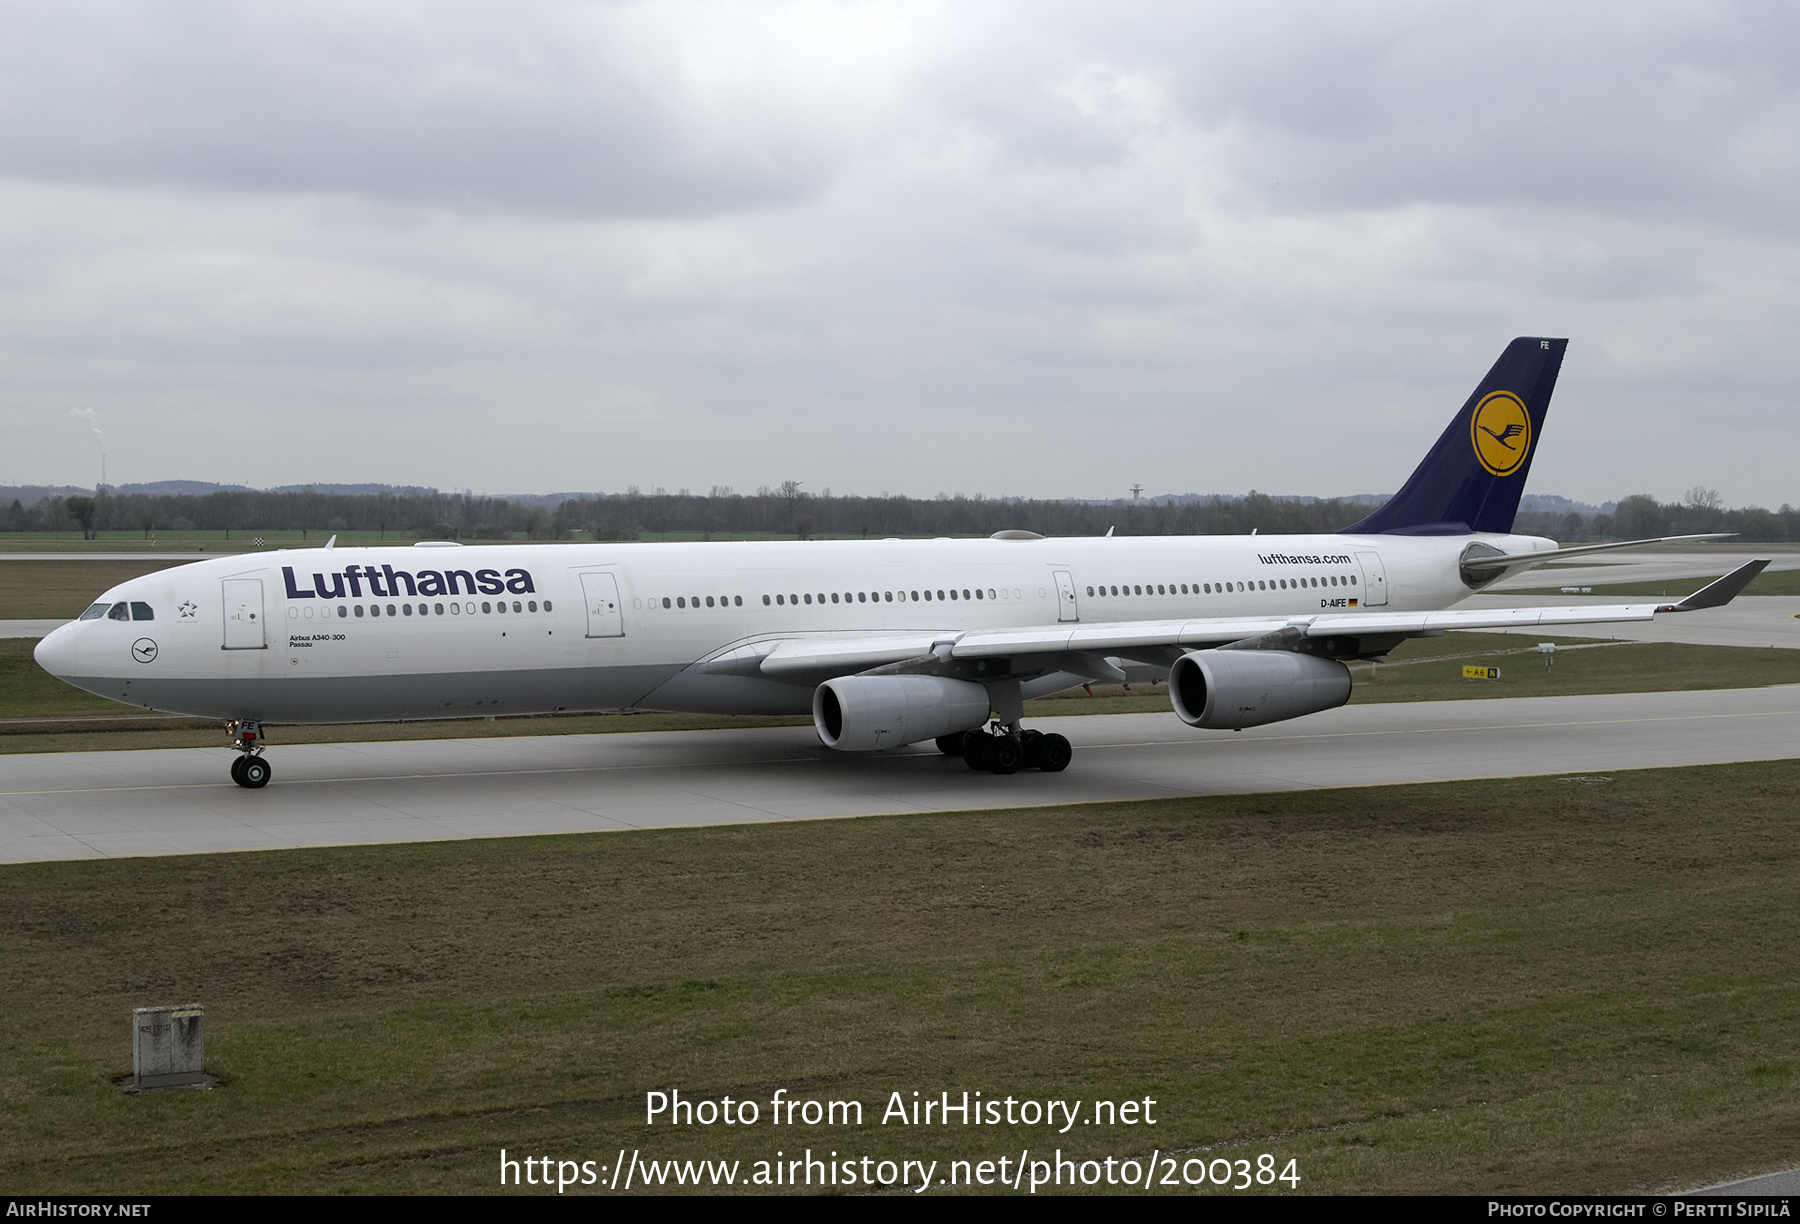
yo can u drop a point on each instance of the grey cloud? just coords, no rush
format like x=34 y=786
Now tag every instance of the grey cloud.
x=692 y=110
x=560 y=108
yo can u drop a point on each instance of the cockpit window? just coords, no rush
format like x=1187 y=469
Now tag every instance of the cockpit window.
x=141 y=611
x=120 y=611
x=95 y=612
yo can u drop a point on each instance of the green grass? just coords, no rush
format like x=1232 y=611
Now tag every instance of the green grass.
x=1430 y=669
x=1769 y=582
x=1538 y=985
x=45 y=590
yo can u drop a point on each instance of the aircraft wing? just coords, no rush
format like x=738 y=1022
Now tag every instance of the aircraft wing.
x=795 y=657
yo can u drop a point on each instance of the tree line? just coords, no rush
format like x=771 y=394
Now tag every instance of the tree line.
x=787 y=510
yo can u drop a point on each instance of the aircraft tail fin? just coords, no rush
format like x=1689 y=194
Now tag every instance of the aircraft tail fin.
x=1471 y=480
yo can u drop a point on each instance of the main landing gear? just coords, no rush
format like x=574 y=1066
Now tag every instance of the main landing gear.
x=249 y=771
x=1006 y=750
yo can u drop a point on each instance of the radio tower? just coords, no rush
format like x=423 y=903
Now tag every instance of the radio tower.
x=1135 y=490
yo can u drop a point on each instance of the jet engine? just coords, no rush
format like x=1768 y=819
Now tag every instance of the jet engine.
x=1225 y=690
x=867 y=713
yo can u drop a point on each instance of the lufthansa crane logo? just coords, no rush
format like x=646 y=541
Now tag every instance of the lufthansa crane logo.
x=1501 y=433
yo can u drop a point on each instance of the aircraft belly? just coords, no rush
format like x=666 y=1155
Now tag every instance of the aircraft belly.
x=702 y=693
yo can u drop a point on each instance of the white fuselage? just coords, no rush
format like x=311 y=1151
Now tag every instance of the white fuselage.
x=359 y=634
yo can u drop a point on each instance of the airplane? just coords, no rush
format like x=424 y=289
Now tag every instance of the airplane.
x=885 y=643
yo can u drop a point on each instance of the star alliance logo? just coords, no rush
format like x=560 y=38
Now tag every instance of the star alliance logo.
x=188 y=609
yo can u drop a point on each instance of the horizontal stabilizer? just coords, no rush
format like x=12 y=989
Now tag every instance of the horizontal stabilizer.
x=1495 y=560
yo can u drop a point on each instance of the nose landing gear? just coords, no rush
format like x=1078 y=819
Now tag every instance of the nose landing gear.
x=249 y=771
x=1007 y=749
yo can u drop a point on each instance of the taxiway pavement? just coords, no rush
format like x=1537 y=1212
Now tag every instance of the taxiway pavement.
x=77 y=805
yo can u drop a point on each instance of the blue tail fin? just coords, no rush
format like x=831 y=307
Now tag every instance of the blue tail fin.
x=1472 y=478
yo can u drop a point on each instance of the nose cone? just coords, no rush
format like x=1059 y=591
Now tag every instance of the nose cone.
x=59 y=653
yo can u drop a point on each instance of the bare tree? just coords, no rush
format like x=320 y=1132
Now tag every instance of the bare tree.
x=790 y=494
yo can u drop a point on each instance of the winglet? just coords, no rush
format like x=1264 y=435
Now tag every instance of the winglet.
x=1718 y=594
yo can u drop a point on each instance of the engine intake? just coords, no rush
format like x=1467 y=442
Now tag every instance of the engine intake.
x=869 y=713
x=1225 y=690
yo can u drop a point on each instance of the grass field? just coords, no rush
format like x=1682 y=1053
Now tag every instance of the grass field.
x=45 y=590
x=1552 y=985
x=1776 y=582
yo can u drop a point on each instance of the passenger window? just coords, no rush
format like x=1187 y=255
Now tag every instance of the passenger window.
x=343 y=612
x=438 y=608
x=765 y=601
x=546 y=605
x=120 y=611
x=407 y=608
x=516 y=607
x=141 y=611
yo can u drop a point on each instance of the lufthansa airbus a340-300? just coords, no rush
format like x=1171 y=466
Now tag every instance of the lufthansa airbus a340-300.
x=885 y=643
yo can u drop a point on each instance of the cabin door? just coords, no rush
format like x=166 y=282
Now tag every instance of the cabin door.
x=244 y=614
x=604 y=619
x=1066 y=607
x=1374 y=580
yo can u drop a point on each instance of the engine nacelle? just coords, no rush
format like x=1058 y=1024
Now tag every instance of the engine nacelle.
x=1223 y=690
x=868 y=713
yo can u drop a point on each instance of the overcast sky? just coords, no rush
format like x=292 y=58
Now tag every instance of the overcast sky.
x=1034 y=249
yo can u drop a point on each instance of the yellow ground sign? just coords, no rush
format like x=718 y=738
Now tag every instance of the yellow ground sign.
x=1481 y=673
